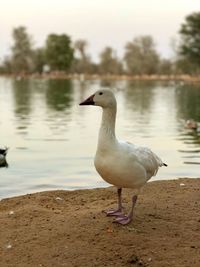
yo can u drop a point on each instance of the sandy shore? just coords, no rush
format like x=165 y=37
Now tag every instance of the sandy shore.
x=62 y=228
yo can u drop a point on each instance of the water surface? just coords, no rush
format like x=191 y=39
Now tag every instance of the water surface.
x=52 y=139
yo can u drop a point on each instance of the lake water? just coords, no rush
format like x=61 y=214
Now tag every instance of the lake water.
x=52 y=140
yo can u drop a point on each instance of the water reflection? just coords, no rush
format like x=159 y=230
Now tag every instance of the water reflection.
x=22 y=93
x=108 y=84
x=59 y=94
x=30 y=97
x=139 y=95
x=191 y=140
x=138 y=105
x=188 y=101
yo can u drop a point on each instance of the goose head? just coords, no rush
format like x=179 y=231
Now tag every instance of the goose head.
x=103 y=98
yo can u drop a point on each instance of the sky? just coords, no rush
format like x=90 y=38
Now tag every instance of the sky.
x=100 y=22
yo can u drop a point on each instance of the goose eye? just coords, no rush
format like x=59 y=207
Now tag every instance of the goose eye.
x=100 y=93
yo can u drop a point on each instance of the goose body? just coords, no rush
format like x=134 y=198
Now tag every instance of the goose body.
x=127 y=165
x=120 y=163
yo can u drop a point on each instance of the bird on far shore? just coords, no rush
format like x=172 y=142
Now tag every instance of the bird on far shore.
x=120 y=163
x=193 y=125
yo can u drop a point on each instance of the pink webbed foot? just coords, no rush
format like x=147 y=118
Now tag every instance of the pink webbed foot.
x=124 y=220
x=116 y=212
x=113 y=212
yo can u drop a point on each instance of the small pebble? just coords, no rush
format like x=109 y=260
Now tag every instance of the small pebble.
x=59 y=198
x=11 y=212
x=182 y=184
x=57 y=211
x=9 y=246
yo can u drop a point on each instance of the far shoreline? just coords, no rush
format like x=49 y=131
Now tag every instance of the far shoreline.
x=110 y=77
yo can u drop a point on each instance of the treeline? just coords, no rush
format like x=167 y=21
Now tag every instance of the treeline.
x=140 y=57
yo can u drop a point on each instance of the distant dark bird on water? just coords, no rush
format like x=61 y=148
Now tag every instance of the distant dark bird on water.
x=3 y=153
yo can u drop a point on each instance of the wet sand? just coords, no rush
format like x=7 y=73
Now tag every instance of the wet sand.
x=68 y=228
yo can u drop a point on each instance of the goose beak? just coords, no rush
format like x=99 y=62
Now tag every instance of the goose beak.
x=88 y=101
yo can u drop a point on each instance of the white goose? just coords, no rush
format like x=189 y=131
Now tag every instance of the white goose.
x=120 y=163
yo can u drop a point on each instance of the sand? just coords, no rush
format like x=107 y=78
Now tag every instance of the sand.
x=68 y=228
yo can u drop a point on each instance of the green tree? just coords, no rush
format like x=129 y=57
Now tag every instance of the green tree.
x=109 y=63
x=190 y=38
x=165 y=67
x=141 y=56
x=80 y=46
x=183 y=65
x=21 y=59
x=59 y=52
x=6 y=66
x=82 y=62
x=39 y=59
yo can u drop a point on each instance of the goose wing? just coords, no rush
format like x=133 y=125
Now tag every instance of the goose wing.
x=148 y=159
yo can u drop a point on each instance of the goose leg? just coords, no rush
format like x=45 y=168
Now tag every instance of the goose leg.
x=118 y=211
x=125 y=219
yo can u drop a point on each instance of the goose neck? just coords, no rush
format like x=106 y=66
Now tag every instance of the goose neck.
x=107 y=129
